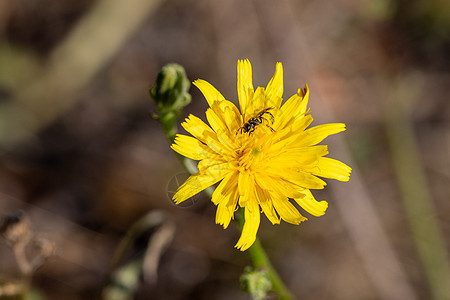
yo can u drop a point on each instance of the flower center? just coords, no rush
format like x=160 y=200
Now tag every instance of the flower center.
x=248 y=158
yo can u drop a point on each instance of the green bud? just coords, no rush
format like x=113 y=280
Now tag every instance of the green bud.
x=170 y=92
x=171 y=95
x=256 y=283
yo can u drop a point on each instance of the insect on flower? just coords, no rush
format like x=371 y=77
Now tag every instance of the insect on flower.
x=260 y=173
x=251 y=124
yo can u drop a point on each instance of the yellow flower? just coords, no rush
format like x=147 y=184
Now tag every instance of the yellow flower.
x=264 y=155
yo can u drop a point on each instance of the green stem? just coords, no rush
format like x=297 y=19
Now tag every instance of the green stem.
x=261 y=260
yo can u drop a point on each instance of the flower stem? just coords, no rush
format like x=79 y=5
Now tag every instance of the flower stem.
x=261 y=260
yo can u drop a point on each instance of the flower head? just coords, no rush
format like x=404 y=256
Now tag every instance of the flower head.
x=264 y=155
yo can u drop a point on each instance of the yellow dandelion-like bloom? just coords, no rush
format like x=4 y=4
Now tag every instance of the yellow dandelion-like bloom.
x=264 y=155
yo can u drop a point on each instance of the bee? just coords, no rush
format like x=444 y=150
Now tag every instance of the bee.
x=251 y=124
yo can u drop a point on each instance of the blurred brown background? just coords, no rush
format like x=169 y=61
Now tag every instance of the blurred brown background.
x=82 y=158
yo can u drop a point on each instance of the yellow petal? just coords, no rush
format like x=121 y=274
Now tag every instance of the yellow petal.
x=274 y=89
x=298 y=157
x=197 y=183
x=207 y=163
x=301 y=123
x=191 y=147
x=288 y=136
x=251 y=225
x=227 y=116
x=278 y=185
x=225 y=197
x=246 y=186
x=210 y=92
x=256 y=105
x=270 y=212
x=223 y=215
x=286 y=210
x=265 y=202
x=288 y=112
x=226 y=208
x=224 y=190
x=231 y=115
x=317 y=134
x=244 y=84
x=197 y=128
x=294 y=108
x=218 y=147
x=220 y=169
x=304 y=94
x=298 y=177
x=215 y=120
x=280 y=200
x=332 y=168
x=311 y=205
x=226 y=139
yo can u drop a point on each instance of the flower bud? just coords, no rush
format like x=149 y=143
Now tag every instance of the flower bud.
x=171 y=95
x=170 y=92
